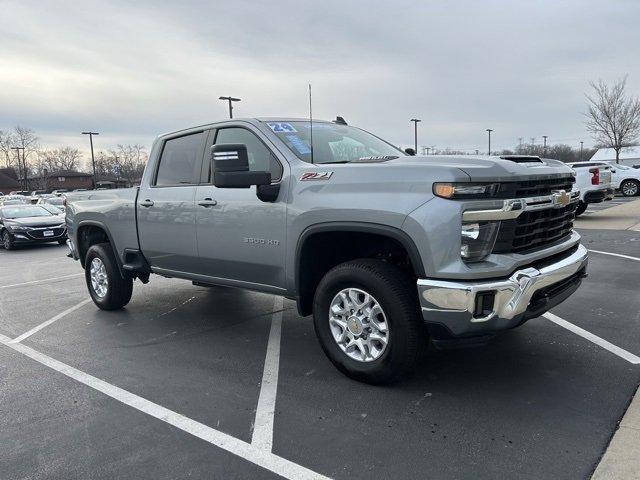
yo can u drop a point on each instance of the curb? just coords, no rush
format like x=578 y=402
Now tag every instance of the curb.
x=621 y=460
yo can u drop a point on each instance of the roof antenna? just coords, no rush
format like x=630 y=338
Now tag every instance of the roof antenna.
x=311 y=122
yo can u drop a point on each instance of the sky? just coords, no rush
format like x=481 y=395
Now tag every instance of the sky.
x=133 y=70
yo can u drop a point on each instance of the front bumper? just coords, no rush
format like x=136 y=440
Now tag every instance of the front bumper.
x=26 y=237
x=464 y=309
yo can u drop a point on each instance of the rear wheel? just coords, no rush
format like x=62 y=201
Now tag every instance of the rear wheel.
x=368 y=321
x=582 y=207
x=630 y=188
x=107 y=287
x=7 y=241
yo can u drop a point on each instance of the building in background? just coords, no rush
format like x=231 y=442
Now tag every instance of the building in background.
x=629 y=156
x=8 y=180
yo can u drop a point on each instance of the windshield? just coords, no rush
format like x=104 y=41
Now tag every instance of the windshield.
x=53 y=209
x=24 y=212
x=331 y=142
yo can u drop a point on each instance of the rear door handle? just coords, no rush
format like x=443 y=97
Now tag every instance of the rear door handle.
x=146 y=203
x=207 y=202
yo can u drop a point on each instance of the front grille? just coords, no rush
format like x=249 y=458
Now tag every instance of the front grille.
x=535 y=229
x=39 y=234
x=535 y=188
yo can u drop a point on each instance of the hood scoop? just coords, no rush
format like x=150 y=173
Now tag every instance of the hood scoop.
x=522 y=158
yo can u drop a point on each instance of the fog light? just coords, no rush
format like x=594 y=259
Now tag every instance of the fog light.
x=477 y=240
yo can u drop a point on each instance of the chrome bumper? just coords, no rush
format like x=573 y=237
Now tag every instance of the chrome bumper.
x=453 y=306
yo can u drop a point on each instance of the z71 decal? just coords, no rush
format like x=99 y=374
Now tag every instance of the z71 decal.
x=309 y=176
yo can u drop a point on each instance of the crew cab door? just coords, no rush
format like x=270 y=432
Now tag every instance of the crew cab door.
x=241 y=239
x=166 y=205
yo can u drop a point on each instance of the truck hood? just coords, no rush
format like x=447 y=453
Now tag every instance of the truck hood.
x=488 y=169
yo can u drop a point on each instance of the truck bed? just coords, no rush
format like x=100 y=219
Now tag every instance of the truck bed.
x=114 y=209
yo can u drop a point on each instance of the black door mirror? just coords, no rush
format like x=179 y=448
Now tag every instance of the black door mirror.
x=230 y=167
x=409 y=151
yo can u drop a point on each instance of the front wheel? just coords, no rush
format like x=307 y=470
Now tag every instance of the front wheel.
x=7 y=241
x=368 y=320
x=582 y=207
x=107 y=287
x=630 y=188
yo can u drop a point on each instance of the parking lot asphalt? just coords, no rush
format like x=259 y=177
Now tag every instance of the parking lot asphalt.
x=537 y=402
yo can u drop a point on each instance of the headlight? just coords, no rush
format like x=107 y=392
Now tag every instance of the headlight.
x=465 y=190
x=15 y=228
x=477 y=240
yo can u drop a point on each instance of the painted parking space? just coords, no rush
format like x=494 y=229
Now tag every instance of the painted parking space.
x=536 y=402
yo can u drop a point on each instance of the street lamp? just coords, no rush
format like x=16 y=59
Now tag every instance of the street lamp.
x=93 y=160
x=544 y=148
x=581 y=144
x=489 y=130
x=415 y=133
x=230 y=100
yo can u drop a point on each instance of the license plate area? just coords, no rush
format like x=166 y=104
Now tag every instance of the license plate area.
x=47 y=233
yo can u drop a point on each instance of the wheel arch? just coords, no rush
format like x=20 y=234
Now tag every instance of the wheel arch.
x=390 y=236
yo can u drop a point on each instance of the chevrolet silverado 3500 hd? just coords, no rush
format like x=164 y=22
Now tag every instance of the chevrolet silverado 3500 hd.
x=386 y=250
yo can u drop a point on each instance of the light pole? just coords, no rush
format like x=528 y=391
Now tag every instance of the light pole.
x=22 y=167
x=415 y=133
x=230 y=100
x=93 y=160
x=544 y=148
x=489 y=130
x=581 y=144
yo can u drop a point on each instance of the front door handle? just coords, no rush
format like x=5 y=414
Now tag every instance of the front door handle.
x=146 y=203
x=207 y=202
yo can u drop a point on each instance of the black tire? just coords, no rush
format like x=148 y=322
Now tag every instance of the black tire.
x=630 y=188
x=582 y=207
x=396 y=294
x=118 y=289
x=7 y=241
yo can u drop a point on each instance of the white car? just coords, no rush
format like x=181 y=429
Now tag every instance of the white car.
x=593 y=179
x=625 y=179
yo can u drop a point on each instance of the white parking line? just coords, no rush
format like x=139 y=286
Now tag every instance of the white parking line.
x=251 y=453
x=44 y=280
x=263 y=426
x=49 y=322
x=616 y=255
x=629 y=357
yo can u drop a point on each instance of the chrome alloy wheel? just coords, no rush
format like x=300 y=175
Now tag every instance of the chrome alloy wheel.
x=630 y=189
x=358 y=325
x=99 y=280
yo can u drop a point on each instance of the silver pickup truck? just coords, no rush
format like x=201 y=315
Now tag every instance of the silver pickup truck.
x=387 y=250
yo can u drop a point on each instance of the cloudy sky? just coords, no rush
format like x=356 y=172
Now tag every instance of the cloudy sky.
x=131 y=70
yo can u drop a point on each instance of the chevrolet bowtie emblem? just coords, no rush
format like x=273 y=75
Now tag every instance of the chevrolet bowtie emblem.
x=561 y=198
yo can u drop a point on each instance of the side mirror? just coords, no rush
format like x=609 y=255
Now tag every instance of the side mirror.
x=230 y=167
x=409 y=151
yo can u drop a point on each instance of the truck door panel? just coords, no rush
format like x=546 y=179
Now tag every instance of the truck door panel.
x=166 y=208
x=241 y=237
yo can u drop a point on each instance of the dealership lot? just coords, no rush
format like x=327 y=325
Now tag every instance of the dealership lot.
x=176 y=385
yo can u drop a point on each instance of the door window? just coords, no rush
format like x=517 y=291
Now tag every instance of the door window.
x=179 y=163
x=260 y=157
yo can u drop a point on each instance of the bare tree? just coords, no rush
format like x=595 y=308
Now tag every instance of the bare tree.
x=613 y=117
x=6 y=142
x=126 y=162
x=63 y=158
